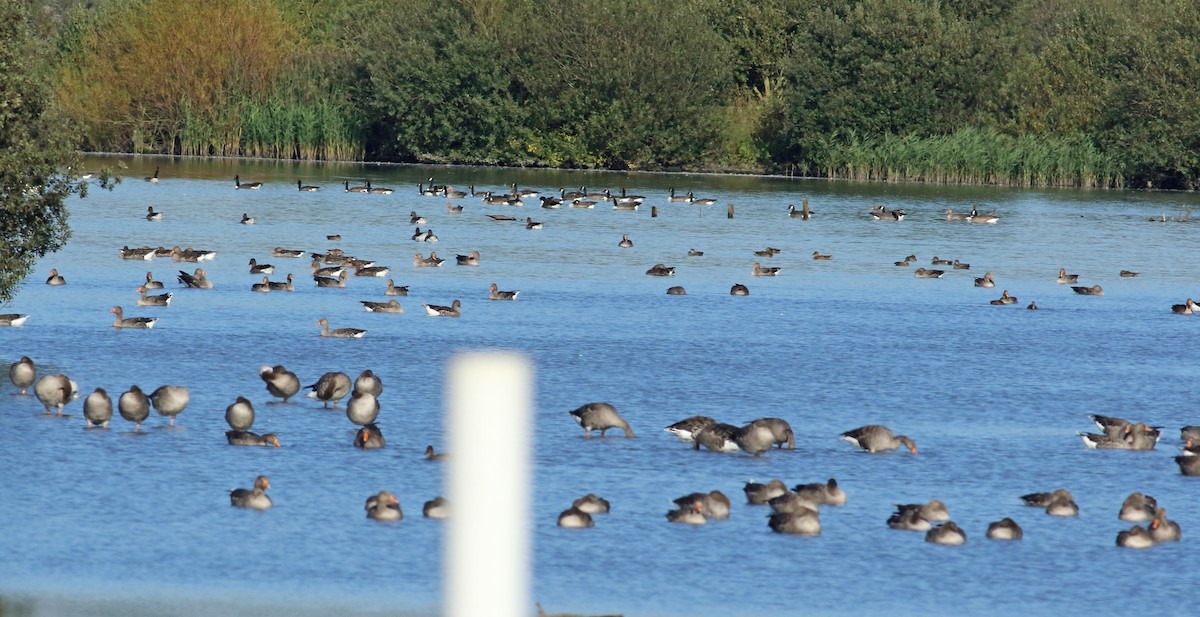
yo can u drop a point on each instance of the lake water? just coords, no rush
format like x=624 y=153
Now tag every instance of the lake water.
x=109 y=522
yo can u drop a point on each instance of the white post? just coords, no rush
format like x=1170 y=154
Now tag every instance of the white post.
x=490 y=434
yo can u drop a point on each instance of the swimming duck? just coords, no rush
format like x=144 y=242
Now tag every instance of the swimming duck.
x=803 y=522
x=922 y=273
x=434 y=455
x=436 y=310
x=1004 y=529
x=717 y=437
x=1094 y=290
x=759 y=270
x=816 y=255
x=1004 y=299
x=170 y=401
x=947 y=533
x=55 y=278
x=332 y=386
x=1138 y=508
x=340 y=332
x=714 y=505
x=383 y=507
x=280 y=381
x=97 y=408
x=987 y=280
x=391 y=306
x=1135 y=537
x=1032 y=306
x=121 y=321
x=739 y=289
x=247 y=438
x=823 y=493
x=255 y=498
x=134 y=406
x=600 y=417
x=438 y=507
x=625 y=242
x=151 y=215
x=494 y=293
x=759 y=494
x=660 y=270
x=574 y=518
x=877 y=438
x=685 y=429
x=153 y=300
x=592 y=504
x=22 y=373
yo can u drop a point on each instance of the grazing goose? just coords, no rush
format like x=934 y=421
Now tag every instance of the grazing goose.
x=284 y=285
x=97 y=408
x=600 y=417
x=340 y=332
x=1004 y=529
x=1137 y=508
x=55 y=279
x=760 y=270
x=257 y=268
x=922 y=273
x=824 y=493
x=254 y=498
x=134 y=406
x=574 y=518
x=625 y=242
x=438 y=507
x=151 y=283
x=362 y=408
x=237 y=182
x=240 y=414
x=153 y=300
x=369 y=437
x=987 y=280
x=330 y=281
x=394 y=290
x=247 y=438
x=170 y=401
x=1163 y=529
x=391 y=306
x=367 y=381
x=22 y=373
x=1187 y=308
x=121 y=321
x=332 y=386
x=687 y=516
x=427 y=262
x=877 y=438
x=739 y=289
x=383 y=507
x=15 y=320
x=152 y=179
x=817 y=256
x=1004 y=299
x=676 y=290
x=197 y=280
x=378 y=190
x=686 y=429
x=802 y=522
x=532 y=224
x=781 y=431
x=306 y=188
x=1066 y=279
x=436 y=310
x=279 y=251
x=699 y=201
x=713 y=505
x=1094 y=290
x=144 y=253
x=759 y=494
x=1136 y=537
x=592 y=504
x=470 y=259
x=494 y=293
x=947 y=533
x=660 y=270
x=754 y=438
x=717 y=437
x=280 y=382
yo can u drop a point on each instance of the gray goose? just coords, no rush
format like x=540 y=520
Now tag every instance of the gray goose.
x=121 y=321
x=759 y=494
x=600 y=417
x=254 y=498
x=391 y=306
x=754 y=438
x=15 y=320
x=339 y=332
x=934 y=511
x=677 y=290
x=367 y=381
x=240 y=414
x=686 y=429
x=713 y=504
x=947 y=533
x=780 y=430
x=329 y=281
x=395 y=290
x=1135 y=537
x=1163 y=529
x=823 y=493
x=145 y=299
x=436 y=310
x=470 y=259
x=362 y=408
x=151 y=283
x=22 y=373
x=438 y=507
x=369 y=437
x=383 y=507
x=434 y=455
x=592 y=504
x=760 y=270
x=739 y=289
x=660 y=270
x=170 y=401
x=197 y=280
x=134 y=406
x=280 y=381
x=717 y=437
x=1004 y=529
x=55 y=278
x=247 y=438
x=97 y=408
x=494 y=293
x=692 y=515
x=877 y=438
x=803 y=522
x=1138 y=508
x=1094 y=290
x=332 y=386
x=574 y=518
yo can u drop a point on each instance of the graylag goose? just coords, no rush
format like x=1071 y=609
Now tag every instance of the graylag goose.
x=247 y=438
x=717 y=437
x=280 y=382
x=1135 y=537
x=1137 y=508
x=922 y=273
x=391 y=306
x=987 y=280
x=687 y=516
x=383 y=507
x=494 y=293
x=676 y=290
x=470 y=259
x=934 y=511
x=454 y=209
x=22 y=373
x=781 y=431
x=367 y=381
x=332 y=386
x=170 y=401
x=824 y=493
x=369 y=437
x=1004 y=529
x=759 y=494
x=54 y=391
x=435 y=310
x=340 y=332
x=376 y=271
x=284 y=285
x=947 y=533
x=134 y=406
x=362 y=408
x=239 y=415
x=279 y=251
x=739 y=289
x=151 y=283
x=237 y=183
x=438 y=507
x=196 y=280
x=1094 y=290
x=97 y=409
x=263 y=287
x=1004 y=299
x=1187 y=308
x=754 y=438
x=686 y=429
x=145 y=299
x=121 y=321
x=1041 y=500
x=760 y=270
x=877 y=438
x=803 y=522
x=1066 y=279
x=592 y=504
x=713 y=504
x=574 y=518
x=329 y=281
x=55 y=278
x=254 y=498
x=951 y=215
x=144 y=253
x=395 y=290
x=1163 y=529
x=427 y=262
x=600 y=417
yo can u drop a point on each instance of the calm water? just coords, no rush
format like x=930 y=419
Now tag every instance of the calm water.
x=992 y=395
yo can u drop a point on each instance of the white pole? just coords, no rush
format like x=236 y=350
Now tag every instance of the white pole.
x=488 y=404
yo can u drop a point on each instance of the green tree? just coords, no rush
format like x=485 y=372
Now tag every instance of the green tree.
x=37 y=153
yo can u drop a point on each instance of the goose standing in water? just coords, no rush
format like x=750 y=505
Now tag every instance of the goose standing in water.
x=362 y=408
x=600 y=417
x=134 y=406
x=383 y=507
x=280 y=382
x=332 y=386
x=877 y=438
x=686 y=429
x=97 y=409
x=170 y=401
x=131 y=322
x=255 y=498
x=340 y=332
x=22 y=374
x=240 y=414
x=754 y=438
x=717 y=437
x=367 y=381
x=55 y=278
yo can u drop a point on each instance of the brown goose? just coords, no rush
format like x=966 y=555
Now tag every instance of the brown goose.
x=1163 y=529
x=255 y=498
x=1004 y=529
x=592 y=504
x=394 y=290
x=376 y=271
x=470 y=259
x=329 y=281
x=391 y=306
x=367 y=381
x=280 y=381
x=600 y=417
x=987 y=280
x=332 y=386
x=922 y=273
x=246 y=438
x=1136 y=537
x=170 y=401
x=369 y=437
x=759 y=494
x=145 y=299
x=574 y=518
x=433 y=261
x=121 y=321
x=340 y=332
x=97 y=408
x=1188 y=465
x=362 y=408
x=494 y=293
x=877 y=438
x=754 y=438
x=22 y=373
x=55 y=278
x=717 y=437
x=947 y=533
x=240 y=414
x=284 y=285
x=134 y=406
x=383 y=507
x=686 y=429
x=1041 y=500
x=934 y=511
x=780 y=429
x=1066 y=279
x=1004 y=299
x=279 y=251
x=802 y=522
x=435 y=310
x=687 y=516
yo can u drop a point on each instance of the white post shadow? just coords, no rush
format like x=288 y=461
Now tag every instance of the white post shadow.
x=489 y=398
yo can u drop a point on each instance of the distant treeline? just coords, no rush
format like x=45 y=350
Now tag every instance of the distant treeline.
x=1084 y=93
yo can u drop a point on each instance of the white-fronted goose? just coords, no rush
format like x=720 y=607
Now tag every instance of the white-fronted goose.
x=395 y=290
x=55 y=278
x=592 y=504
x=247 y=438
x=121 y=321
x=1137 y=508
x=237 y=183
x=332 y=386
x=145 y=299
x=339 y=332
x=196 y=280
x=438 y=507
x=947 y=533
x=436 y=310
x=22 y=373
x=97 y=408
x=391 y=306
x=685 y=429
x=170 y=401
x=134 y=406
x=759 y=494
x=802 y=523
x=369 y=437
x=494 y=293
x=383 y=507
x=1094 y=290
x=877 y=438
x=280 y=381
x=362 y=408
x=306 y=188
x=257 y=268
x=660 y=270
x=255 y=498
x=600 y=417
x=1004 y=529
x=151 y=283
x=470 y=259
x=279 y=251
x=1066 y=279
x=1135 y=537
x=240 y=414
x=574 y=518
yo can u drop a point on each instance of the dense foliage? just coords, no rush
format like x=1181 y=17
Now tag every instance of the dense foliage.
x=1025 y=92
